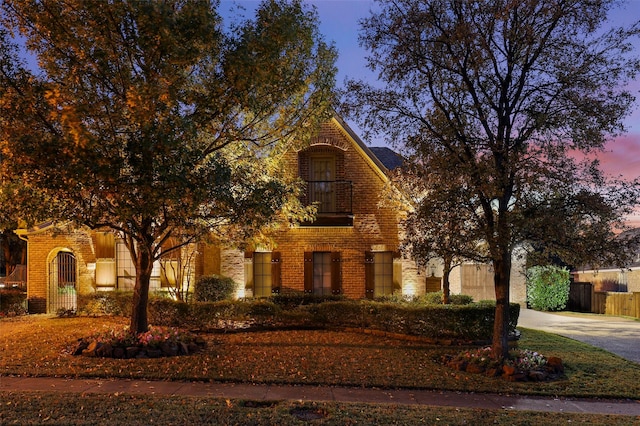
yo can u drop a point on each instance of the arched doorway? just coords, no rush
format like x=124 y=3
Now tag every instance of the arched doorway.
x=62 y=282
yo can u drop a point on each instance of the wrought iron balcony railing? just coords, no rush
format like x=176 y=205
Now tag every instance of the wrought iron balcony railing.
x=333 y=199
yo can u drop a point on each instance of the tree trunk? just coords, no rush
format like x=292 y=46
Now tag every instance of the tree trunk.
x=139 y=317
x=502 y=275
x=445 y=280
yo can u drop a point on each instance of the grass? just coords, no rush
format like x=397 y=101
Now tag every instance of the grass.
x=56 y=408
x=36 y=346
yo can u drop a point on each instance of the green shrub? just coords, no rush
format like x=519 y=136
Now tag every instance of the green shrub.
x=548 y=287
x=118 y=303
x=212 y=288
x=435 y=298
x=292 y=300
x=13 y=302
x=168 y=312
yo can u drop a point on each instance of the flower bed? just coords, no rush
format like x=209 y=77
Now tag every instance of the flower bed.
x=155 y=343
x=521 y=365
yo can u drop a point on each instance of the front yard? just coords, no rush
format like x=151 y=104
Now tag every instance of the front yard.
x=38 y=346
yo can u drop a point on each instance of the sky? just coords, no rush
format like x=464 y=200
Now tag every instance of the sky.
x=339 y=23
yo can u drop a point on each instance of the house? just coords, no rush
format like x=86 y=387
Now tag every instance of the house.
x=350 y=249
x=613 y=278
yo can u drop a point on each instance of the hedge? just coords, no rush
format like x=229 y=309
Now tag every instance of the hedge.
x=471 y=322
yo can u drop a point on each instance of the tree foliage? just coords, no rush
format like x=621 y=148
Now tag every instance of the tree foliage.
x=439 y=223
x=503 y=97
x=150 y=119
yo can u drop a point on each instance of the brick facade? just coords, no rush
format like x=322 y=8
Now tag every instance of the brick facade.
x=375 y=227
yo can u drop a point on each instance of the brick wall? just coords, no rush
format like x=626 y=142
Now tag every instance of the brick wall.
x=375 y=227
x=43 y=247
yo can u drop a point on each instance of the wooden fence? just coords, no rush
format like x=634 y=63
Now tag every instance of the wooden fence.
x=611 y=303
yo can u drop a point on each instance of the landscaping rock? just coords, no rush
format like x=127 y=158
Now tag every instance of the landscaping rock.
x=169 y=349
x=475 y=368
x=105 y=351
x=132 y=351
x=508 y=370
x=154 y=353
x=555 y=365
x=538 y=376
x=80 y=346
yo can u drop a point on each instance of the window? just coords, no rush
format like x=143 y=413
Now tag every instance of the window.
x=125 y=267
x=378 y=273
x=322 y=183
x=322 y=273
x=171 y=273
x=383 y=273
x=105 y=260
x=261 y=274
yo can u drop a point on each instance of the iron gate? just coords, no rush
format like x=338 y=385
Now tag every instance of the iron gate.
x=62 y=283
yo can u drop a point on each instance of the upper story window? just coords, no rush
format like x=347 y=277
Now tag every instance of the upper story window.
x=322 y=182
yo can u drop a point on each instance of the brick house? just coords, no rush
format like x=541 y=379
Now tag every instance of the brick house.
x=352 y=248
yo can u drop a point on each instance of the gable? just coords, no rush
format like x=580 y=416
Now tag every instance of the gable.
x=337 y=134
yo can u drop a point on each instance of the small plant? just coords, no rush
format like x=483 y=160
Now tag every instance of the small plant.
x=525 y=360
x=66 y=312
x=548 y=287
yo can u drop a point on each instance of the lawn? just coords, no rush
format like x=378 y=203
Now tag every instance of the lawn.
x=37 y=346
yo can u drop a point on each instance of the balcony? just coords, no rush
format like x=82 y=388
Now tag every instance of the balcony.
x=333 y=199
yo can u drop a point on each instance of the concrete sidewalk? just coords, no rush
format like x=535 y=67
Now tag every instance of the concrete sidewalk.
x=320 y=393
x=620 y=336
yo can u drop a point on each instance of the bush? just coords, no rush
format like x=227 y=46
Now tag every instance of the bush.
x=435 y=298
x=548 y=287
x=118 y=303
x=13 y=302
x=212 y=288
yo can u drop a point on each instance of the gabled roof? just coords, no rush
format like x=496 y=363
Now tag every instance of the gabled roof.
x=391 y=159
x=384 y=159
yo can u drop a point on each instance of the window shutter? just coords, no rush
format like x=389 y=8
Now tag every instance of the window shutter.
x=397 y=271
x=248 y=274
x=308 y=272
x=369 y=274
x=276 y=278
x=336 y=273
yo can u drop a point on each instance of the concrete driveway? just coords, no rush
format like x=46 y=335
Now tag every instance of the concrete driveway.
x=620 y=336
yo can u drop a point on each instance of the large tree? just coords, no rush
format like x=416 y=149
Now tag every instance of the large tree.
x=505 y=95
x=155 y=120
